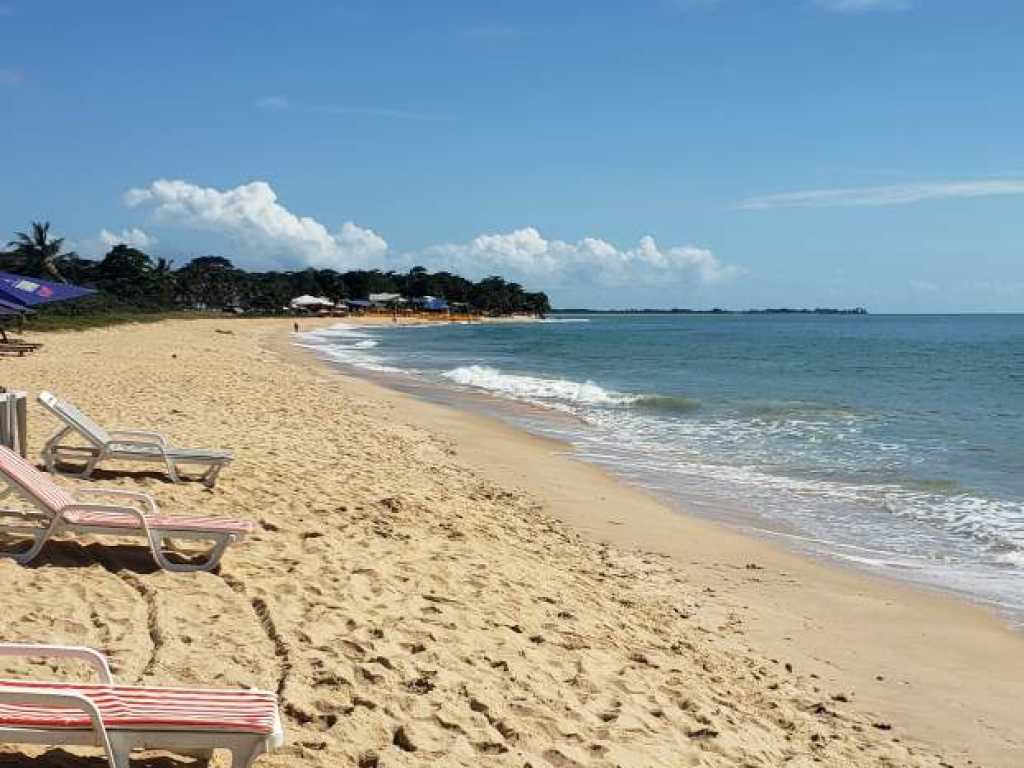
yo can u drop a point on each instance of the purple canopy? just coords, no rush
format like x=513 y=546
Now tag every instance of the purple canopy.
x=30 y=291
x=12 y=308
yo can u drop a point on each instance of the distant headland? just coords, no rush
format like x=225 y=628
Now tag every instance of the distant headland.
x=714 y=311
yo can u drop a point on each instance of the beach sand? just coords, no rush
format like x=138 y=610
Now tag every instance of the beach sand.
x=430 y=587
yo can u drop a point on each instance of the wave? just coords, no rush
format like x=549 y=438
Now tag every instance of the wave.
x=785 y=411
x=534 y=388
x=669 y=403
x=564 y=320
x=345 y=344
x=1013 y=559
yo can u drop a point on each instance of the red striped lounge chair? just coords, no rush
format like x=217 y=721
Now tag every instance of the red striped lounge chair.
x=120 y=718
x=56 y=511
x=122 y=445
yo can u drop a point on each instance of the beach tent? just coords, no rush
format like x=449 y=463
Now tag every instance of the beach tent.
x=431 y=303
x=311 y=302
x=386 y=299
x=32 y=291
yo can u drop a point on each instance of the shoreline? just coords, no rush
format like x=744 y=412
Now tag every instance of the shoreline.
x=725 y=509
x=834 y=610
x=432 y=587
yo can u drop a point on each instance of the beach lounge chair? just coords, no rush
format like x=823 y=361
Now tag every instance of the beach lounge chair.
x=122 y=444
x=55 y=511
x=120 y=718
x=18 y=347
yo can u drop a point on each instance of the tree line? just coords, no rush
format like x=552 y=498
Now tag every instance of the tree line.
x=130 y=279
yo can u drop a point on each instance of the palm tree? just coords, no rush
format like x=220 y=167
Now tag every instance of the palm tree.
x=40 y=254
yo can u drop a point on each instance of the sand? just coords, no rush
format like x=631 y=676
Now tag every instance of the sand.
x=429 y=587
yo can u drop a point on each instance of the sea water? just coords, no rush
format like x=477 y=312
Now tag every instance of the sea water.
x=892 y=442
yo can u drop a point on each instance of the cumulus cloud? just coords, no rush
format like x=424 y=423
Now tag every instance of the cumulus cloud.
x=853 y=6
x=895 y=194
x=251 y=213
x=133 y=237
x=526 y=255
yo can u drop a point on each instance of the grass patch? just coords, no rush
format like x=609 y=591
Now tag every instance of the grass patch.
x=44 y=322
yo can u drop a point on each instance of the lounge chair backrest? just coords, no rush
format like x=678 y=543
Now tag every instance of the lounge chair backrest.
x=32 y=483
x=88 y=428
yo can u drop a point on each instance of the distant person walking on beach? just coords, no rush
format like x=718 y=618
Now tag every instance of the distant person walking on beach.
x=296 y=327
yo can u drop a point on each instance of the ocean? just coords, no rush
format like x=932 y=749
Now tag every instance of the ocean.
x=893 y=443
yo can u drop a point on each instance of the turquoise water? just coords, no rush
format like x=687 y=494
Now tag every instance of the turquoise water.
x=894 y=442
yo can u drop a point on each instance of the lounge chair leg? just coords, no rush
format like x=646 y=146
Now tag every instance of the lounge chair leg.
x=213 y=557
x=89 y=467
x=172 y=471
x=52 y=457
x=210 y=476
x=39 y=541
x=39 y=538
x=242 y=759
x=120 y=750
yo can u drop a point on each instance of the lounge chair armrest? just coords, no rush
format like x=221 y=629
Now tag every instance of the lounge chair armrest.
x=145 y=498
x=35 y=697
x=158 y=447
x=85 y=506
x=116 y=433
x=94 y=658
x=135 y=512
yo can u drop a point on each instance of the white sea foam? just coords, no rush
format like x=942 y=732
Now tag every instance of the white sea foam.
x=536 y=389
x=346 y=344
x=1014 y=559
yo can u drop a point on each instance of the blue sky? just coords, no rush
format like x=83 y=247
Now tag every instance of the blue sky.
x=655 y=152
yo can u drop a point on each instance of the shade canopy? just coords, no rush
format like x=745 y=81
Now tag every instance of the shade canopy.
x=32 y=291
x=12 y=308
x=311 y=301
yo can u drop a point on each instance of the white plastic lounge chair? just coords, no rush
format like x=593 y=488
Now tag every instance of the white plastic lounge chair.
x=56 y=511
x=122 y=444
x=121 y=718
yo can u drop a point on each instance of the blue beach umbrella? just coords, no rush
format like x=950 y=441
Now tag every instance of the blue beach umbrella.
x=12 y=308
x=32 y=291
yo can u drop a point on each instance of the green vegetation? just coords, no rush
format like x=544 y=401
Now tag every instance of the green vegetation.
x=57 y=321
x=132 y=285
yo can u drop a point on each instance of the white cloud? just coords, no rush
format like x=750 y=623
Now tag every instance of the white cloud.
x=133 y=237
x=274 y=235
x=854 y=6
x=274 y=103
x=895 y=194
x=526 y=255
x=251 y=213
